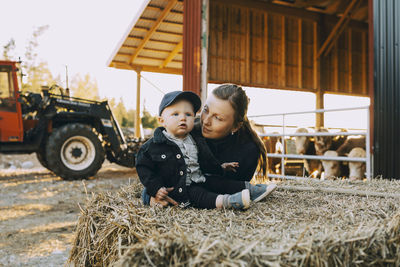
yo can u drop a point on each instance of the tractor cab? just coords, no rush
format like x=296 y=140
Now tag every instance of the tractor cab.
x=11 y=126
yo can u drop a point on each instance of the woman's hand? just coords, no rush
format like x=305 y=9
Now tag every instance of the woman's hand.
x=162 y=197
x=230 y=166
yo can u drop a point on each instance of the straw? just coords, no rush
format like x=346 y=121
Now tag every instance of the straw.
x=290 y=228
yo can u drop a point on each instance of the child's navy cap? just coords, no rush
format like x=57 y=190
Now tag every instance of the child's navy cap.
x=171 y=97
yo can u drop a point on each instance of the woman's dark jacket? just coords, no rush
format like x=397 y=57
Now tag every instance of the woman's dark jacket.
x=238 y=147
x=160 y=163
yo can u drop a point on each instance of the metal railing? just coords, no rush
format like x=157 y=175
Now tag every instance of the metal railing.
x=284 y=156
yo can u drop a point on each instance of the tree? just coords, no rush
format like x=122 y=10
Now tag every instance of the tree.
x=131 y=118
x=37 y=72
x=85 y=87
x=125 y=118
x=8 y=49
x=149 y=121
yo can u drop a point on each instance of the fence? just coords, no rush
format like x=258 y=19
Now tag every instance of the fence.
x=285 y=156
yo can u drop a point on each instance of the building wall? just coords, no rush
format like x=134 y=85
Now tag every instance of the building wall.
x=386 y=88
x=263 y=45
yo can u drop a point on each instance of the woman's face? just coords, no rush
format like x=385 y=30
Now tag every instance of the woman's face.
x=217 y=118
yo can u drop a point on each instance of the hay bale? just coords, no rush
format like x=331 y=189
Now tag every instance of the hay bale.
x=291 y=228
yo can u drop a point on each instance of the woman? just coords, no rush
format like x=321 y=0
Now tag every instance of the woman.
x=227 y=131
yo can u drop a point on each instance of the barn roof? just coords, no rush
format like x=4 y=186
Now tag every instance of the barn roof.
x=154 y=39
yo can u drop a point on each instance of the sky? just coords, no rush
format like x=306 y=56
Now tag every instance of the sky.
x=83 y=34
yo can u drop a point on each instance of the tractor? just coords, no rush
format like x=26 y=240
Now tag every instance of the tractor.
x=70 y=136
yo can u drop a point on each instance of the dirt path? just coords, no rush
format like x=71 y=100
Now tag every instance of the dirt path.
x=39 y=211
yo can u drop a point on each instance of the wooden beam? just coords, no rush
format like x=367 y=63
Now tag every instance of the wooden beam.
x=283 y=53
x=205 y=25
x=364 y=62
x=272 y=8
x=333 y=8
x=167 y=22
x=261 y=85
x=145 y=29
x=171 y=56
x=126 y=66
x=336 y=27
x=157 y=23
x=347 y=21
x=335 y=68
x=248 y=47
x=266 y=55
x=315 y=59
x=151 y=40
x=147 y=49
x=159 y=8
x=137 y=113
x=300 y=54
x=319 y=117
x=228 y=51
x=163 y=70
x=124 y=54
x=361 y=13
x=350 y=61
x=158 y=58
x=174 y=34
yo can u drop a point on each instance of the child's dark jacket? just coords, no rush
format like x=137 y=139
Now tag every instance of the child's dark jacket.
x=160 y=163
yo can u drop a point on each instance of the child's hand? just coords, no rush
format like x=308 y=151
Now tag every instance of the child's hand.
x=163 y=198
x=230 y=166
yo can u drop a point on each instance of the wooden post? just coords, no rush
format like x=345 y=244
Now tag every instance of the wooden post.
x=266 y=47
x=364 y=55
x=191 y=65
x=319 y=117
x=335 y=67
x=204 y=49
x=248 y=48
x=336 y=28
x=300 y=55
x=315 y=51
x=283 y=50
x=137 y=114
x=350 y=60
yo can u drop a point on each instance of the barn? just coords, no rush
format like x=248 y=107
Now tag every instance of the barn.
x=348 y=47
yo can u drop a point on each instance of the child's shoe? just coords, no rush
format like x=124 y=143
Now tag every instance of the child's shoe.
x=260 y=191
x=240 y=200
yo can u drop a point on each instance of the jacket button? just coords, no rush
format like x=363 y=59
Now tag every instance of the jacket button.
x=180 y=190
x=178 y=156
x=163 y=156
x=181 y=173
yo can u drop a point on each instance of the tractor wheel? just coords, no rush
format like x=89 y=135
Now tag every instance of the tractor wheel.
x=41 y=156
x=74 y=151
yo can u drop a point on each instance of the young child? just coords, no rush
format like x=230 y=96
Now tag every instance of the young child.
x=175 y=164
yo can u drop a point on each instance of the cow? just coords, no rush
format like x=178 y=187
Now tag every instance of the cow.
x=325 y=143
x=322 y=143
x=357 y=169
x=273 y=145
x=332 y=168
x=306 y=146
x=302 y=142
x=350 y=143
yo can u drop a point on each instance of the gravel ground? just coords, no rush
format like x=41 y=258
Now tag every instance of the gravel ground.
x=39 y=211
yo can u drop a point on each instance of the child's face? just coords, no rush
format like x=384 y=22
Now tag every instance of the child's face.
x=178 y=119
